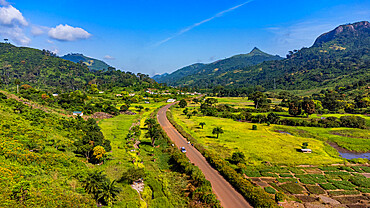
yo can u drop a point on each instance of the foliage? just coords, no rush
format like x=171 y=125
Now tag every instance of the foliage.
x=183 y=103
x=217 y=131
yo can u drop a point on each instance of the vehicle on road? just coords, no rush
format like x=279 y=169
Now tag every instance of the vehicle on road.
x=183 y=150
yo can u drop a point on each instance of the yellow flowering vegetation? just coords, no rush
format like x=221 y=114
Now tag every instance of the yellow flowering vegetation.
x=99 y=152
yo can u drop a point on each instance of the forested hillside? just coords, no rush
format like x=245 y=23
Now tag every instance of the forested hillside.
x=338 y=57
x=217 y=68
x=91 y=63
x=43 y=69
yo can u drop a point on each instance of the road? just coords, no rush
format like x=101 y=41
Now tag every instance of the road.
x=227 y=195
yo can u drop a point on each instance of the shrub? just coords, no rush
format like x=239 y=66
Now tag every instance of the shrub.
x=254 y=127
x=352 y=121
x=252 y=173
x=279 y=196
x=364 y=190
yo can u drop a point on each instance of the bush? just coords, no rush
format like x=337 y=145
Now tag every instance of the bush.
x=279 y=196
x=254 y=127
x=270 y=190
x=352 y=121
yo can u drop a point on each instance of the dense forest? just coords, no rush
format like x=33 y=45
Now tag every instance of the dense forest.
x=42 y=69
x=337 y=57
x=216 y=68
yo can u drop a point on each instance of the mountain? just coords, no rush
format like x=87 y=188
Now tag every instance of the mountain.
x=93 y=64
x=338 y=57
x=256 y=56
x=42 y=69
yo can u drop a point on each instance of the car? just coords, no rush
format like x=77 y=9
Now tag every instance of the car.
x=183 y=150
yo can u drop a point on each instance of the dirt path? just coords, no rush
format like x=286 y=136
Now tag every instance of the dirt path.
x=227 y=195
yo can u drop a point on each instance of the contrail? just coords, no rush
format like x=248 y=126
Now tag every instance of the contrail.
x=200 y=23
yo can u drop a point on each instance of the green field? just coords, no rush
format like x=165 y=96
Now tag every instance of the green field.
x=164 y=186
x=259 y=146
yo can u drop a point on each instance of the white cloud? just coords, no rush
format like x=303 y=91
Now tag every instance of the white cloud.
x=108 y=57
x=38 y=30
x=68 y=33
x=56 y=51
x=11 y=16
x=12 y=23
x=3 y=3
x=49 y=41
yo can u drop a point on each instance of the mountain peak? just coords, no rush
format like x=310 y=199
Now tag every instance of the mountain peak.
x=256 y=50
x=347 y=30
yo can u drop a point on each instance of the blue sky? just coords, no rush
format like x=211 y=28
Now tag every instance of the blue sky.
x=157 y=36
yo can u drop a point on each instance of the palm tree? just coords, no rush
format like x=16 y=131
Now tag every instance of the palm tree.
x=202 y=124
x=108 y=192
x=17 y=82
x=93 y=182
x=218 y=130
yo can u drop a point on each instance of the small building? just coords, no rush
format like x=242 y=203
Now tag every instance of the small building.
x=101 y=92
x=147 y=102
x=78 y=113
x=171 y=100
x=306 y=150
x=55 y=94
x=118 y=95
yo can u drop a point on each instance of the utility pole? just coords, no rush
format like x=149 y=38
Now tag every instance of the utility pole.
x=274 y=84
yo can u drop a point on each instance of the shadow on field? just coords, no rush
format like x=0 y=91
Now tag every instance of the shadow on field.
x=214 y=137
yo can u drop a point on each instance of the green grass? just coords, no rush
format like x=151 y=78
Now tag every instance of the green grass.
x=339 y=193
x=259 y=146
x=359 y=140
x=270 y=190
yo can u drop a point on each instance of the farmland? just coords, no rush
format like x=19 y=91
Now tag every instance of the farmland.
x=260 y=146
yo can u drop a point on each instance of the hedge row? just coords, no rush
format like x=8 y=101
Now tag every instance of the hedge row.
x=254 y=195
x=203 y=191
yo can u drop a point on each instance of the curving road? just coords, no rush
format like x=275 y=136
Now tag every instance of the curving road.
x=227 y=195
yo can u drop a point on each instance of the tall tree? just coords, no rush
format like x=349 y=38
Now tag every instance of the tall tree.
x=295 y=108
x=259 y=99
x=217 y=131
x=308 y=106
x=202 y=124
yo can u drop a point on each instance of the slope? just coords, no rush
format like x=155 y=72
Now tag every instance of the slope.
x=42 y=69
x=338 y=57
x=256 y=56
x=91 y=63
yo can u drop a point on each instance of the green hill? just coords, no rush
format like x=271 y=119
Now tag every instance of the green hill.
x=42 y=69
x=338 y=57
x=91 y=63
x=256 y=56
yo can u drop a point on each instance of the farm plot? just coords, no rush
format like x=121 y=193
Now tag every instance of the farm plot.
x=330 y=185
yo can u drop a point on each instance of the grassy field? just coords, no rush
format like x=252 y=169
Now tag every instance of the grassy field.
x=348 y=138
x=259 y=146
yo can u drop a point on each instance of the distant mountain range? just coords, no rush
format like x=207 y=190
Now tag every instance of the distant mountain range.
x=340 y=56
x=91 y=63
x=216 y=68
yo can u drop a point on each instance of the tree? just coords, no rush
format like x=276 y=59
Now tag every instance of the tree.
x=295 y=108
x=108 y=192
x=132 y=174
x=259 y=99
x=124 y=107
x=153 y=129
x=237 y=157
x=185 y=111
x=93 y=182
x=202 y=124
x=308 y=106
x=99 y=152
x=183 y=103
x=210 y=101
x=17 y=82
x=217 y=131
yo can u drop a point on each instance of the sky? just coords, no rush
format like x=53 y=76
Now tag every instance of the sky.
x=158 y=36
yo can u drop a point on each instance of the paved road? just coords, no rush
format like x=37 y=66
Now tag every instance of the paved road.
x=227 y=195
